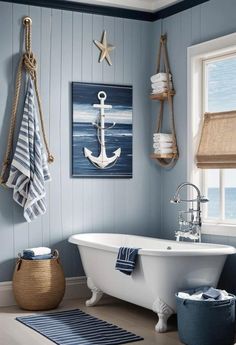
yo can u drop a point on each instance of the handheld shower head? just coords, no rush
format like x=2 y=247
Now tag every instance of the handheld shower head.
x=175 y=200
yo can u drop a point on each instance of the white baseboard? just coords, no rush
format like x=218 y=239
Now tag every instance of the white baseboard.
x=76 y=287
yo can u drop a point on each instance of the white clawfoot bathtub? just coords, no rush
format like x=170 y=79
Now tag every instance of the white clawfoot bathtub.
x=163 y=268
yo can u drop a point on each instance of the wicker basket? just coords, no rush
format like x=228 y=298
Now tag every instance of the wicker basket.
x=39 y=284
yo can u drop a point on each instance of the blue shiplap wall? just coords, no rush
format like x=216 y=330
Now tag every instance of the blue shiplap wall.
x=63 y=43
x=204 y=22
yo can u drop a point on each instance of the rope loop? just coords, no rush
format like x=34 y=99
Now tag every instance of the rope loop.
x=56 y=254
x=29 y=63
x=50 y=158
x=164 y=162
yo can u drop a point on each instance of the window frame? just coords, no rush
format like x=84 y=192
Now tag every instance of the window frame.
x=196 y=56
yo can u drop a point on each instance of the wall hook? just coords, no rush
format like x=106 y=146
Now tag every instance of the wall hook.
x=27 y=20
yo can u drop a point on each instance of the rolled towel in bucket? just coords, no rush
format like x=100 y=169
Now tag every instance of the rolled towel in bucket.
x=37 y=257
x=37 y=251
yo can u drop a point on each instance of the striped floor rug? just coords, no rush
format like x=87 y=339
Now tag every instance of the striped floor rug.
x=74 y=327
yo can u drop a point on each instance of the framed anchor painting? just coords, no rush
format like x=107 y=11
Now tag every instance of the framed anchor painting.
x=102 y=130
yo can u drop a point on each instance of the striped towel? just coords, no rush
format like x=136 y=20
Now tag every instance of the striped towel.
x=126 y=260
x=29 y=169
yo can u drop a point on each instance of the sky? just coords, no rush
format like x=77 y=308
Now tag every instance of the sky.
x=221 y=75
x=87 y=113
x=86 y=95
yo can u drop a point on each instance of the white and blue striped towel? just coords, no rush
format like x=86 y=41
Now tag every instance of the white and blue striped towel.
x=126 y=260
x=29 y=169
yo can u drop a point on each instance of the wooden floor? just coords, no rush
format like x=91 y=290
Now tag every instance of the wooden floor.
x=128 y=316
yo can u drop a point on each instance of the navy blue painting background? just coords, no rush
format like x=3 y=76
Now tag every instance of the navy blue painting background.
x=84 y=133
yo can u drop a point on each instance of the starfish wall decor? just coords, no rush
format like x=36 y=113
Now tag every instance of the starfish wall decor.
x=105 y=48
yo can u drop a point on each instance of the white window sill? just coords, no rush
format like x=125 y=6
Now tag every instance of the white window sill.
x=219 y=229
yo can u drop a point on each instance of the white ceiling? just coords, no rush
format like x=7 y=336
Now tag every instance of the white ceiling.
x=140 y=5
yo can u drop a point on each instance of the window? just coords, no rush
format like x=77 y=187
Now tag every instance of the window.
x=212 y=81
x=219 y=94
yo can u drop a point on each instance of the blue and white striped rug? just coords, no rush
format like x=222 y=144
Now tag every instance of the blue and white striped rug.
x=74 y=327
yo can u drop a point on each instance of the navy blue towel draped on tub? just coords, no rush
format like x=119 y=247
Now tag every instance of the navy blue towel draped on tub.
x=126 y=260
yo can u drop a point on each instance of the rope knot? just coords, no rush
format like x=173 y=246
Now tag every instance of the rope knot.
x=50 y=158
x=30 y=64
x=163 y=38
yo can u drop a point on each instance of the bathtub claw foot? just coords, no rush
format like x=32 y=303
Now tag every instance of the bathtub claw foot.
x=161 y=325
x=96 y=294
x=164 y=312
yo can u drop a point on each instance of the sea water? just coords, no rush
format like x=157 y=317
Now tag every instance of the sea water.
x=214 y=203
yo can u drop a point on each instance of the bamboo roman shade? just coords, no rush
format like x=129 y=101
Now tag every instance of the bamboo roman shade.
x=217 y=147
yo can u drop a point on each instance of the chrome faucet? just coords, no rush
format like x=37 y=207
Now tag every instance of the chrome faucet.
x=191 y=227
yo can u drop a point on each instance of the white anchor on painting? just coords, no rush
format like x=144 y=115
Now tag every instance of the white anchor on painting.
x=102 y=161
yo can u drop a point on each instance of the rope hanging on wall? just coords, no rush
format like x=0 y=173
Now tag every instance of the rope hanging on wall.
x=28 y=63
x=170 y=160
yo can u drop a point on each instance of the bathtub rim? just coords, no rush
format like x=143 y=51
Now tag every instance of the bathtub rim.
x=209 y=250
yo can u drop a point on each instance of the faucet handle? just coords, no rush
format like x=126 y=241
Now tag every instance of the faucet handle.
x=203 y=199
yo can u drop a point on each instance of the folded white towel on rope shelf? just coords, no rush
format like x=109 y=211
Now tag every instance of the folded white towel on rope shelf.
x=163 y=151
x=29 y=168
x=159 y=90
x=162 y=145
x=160 y=77
x=163 y=136
x=162 y=140
x=161 y=84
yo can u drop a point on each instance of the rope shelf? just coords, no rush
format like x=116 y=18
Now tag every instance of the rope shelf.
x=162 y=96
x=167 y=160
x=28 y=63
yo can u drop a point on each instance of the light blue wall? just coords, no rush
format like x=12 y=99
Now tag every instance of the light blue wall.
x=63 y=43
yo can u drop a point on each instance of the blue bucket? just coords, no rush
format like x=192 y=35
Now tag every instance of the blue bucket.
x=205 y=322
